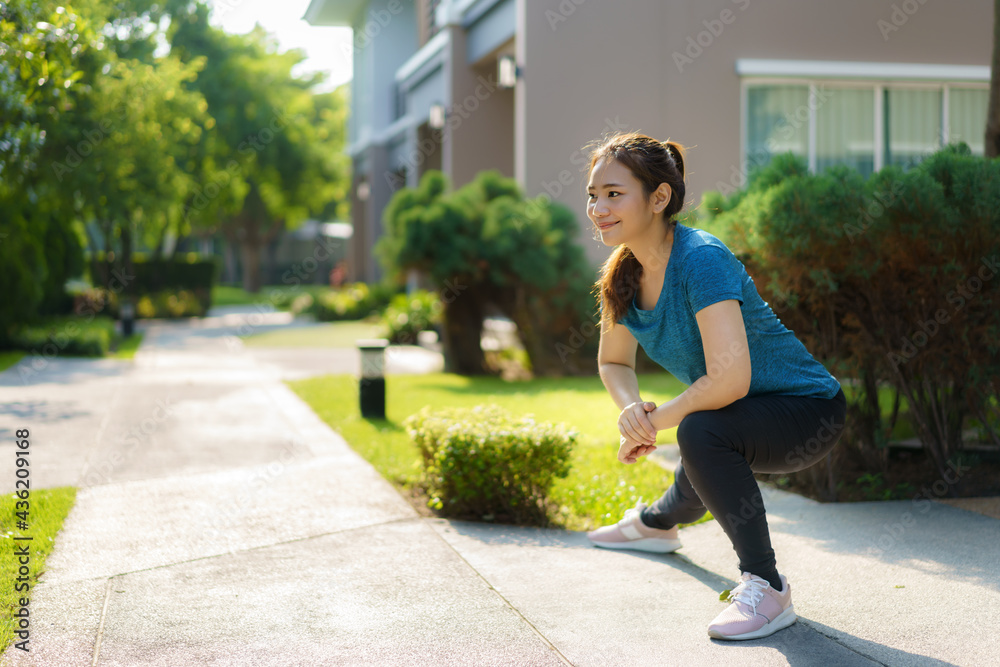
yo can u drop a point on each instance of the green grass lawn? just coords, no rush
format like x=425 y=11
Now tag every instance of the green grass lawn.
x=334 y=334
x=127 y=347
x=598 y=489
x=229 y=295
x=10 y=357
x=47 y=511
x=226 y=295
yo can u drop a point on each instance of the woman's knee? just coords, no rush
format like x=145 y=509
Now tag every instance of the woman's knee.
x=697 y=434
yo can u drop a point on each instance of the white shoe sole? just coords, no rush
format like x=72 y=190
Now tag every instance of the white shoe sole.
x=782 y=621
x=654 y=545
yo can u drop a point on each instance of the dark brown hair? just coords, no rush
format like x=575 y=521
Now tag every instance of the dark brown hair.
x=651 y=162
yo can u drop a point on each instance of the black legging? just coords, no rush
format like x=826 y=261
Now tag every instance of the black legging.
x=720 y=451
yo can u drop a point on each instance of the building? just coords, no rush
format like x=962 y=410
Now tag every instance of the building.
x=522 y=85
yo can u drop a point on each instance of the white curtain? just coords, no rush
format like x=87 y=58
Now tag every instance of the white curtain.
x=845 y=129
x=967 y=116
x=777 y=122
x=913 y=125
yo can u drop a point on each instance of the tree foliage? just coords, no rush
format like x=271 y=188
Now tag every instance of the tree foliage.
x=113 y=137
x=279 y=146
x=892 y=281
x=485 y=245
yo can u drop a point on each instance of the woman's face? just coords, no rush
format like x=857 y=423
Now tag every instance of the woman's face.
x=617 y=205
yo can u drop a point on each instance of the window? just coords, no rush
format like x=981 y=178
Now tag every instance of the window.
x=860 y=124
x=845 y=128
x=912 y=125
x=774 y=121
x=967 y=116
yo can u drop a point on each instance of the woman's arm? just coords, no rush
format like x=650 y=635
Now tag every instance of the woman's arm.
x=616 y=365
x=727 y=359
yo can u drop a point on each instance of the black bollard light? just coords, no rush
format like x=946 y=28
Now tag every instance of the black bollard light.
x=372 y=389
x=127 y=314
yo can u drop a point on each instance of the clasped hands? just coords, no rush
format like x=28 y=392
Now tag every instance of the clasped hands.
x=638 y=434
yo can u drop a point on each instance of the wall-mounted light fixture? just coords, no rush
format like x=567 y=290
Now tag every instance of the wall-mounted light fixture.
x=508 y=71
x=437 y=117
x=364 y=191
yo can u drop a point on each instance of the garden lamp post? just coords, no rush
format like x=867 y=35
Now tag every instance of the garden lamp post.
x=372 y=387
x=127 y=314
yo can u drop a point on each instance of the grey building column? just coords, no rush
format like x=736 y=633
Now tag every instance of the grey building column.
x=412 y=148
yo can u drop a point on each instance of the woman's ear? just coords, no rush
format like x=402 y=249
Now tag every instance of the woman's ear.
x=661 y=197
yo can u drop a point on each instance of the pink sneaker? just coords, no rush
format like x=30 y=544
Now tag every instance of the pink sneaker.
x=757 y=610
x=632 y=533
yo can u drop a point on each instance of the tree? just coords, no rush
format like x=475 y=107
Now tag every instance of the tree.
x=140 y=170
x=992 y=146
x=100 y=141
x=281 y=145
x=42 y=50
x=485 y=245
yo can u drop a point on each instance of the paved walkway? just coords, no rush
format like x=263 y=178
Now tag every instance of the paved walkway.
x=220 y=522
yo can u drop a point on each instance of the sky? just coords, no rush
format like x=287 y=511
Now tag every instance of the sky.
x=328 y=49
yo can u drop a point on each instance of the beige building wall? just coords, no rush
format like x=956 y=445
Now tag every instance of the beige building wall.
x=481 y=126
x=591 y=66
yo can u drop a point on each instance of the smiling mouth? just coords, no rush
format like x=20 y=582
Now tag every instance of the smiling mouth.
x=607 y=225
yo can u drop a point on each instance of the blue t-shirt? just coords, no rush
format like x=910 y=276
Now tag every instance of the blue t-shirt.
x=702 y=271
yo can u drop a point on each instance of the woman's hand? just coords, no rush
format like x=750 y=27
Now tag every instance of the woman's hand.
x=638 y=435
x=629 y=451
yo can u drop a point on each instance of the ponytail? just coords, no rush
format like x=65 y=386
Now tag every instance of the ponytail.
x=617 y=286
x=677 y=153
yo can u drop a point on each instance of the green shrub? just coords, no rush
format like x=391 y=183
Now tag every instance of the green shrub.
x=891 y=281
x=94 y=300
x=169 y=304
x=484 y=463
x=406 y=316
x=303 y=303
x=166 y=304
x=66 y=336
x=186 y=277
x=350 y=302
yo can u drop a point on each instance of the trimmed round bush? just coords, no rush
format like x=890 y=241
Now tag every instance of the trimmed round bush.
x=486 y=464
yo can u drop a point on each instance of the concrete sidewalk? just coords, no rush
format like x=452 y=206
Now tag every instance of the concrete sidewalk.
x=220 y=522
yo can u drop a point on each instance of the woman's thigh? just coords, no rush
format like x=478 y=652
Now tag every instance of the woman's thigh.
x=779 y=434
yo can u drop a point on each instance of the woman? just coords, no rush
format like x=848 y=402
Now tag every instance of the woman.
x=757 y=401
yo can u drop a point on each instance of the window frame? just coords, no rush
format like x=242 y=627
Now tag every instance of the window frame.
x=878 y=86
